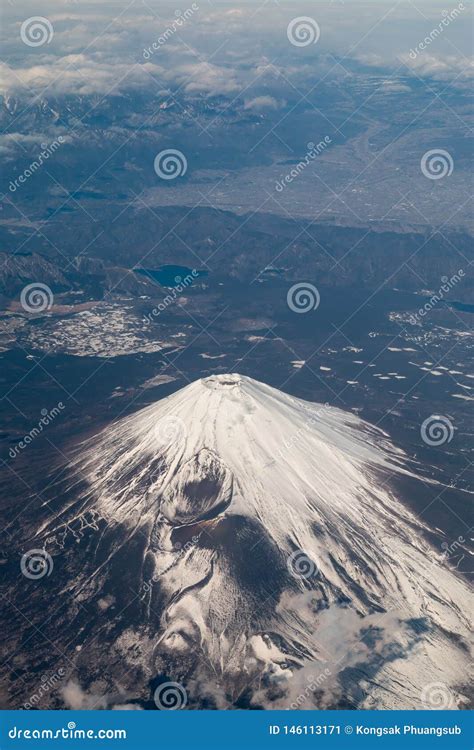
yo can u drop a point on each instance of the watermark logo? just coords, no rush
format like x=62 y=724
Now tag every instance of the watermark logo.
x=36 y=31
x=36 y=564
x=36 y=298
x=446 y=285
x=47 y=150
x=448 y=17
x=437 y=430
x=181 y=285
x=48 y=683
x=303 y=297
x=298 y=436
x=437 y=696
x=314 y=682
x=313 y=151
x=170 y=430
x=453 y=551
x=301 y=565
x=170 y=696
x=436 y=164
x=303 y=31
x=170 y=164
x=174 y=26
x=47 y=416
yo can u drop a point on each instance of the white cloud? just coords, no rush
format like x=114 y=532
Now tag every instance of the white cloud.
x=96 y=49
x=394 y=87
x=205 y=78
x=260 y=103
x=79 y=700
x=441 y=67
x=77 y=74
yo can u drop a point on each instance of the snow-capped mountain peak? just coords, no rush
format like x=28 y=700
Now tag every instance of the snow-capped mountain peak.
x=244 y=496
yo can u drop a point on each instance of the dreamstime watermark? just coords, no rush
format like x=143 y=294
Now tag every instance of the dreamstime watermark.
x=298 y=436
x=36 y=297
x=47 y=684
x=449 y=17
x=303 y=31
x=170 y=696
x=448 y=283
x=47 y=416
x=303 y=297
x=36 y=564
x=436 y=164
x=181 y=285
x=170 y=430
x=170 y=164
x=36 y=31
x=313 y=151
x=314 y=682
x=437 y=430
x=452 y=554
x=175 y=25
x=437 y=696
x=301 y=565
x=66 y=733
x=47 y=150
x=453 y=550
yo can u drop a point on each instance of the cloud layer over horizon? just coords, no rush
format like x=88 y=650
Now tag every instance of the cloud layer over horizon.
x=210 y=51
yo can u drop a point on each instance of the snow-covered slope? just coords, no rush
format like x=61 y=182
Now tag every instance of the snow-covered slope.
x=276 y=545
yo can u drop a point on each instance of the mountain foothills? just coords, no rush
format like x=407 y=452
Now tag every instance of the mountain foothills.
x=228 y=247
x=245 y=543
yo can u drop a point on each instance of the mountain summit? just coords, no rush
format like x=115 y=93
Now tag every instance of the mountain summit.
x=268 y=542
